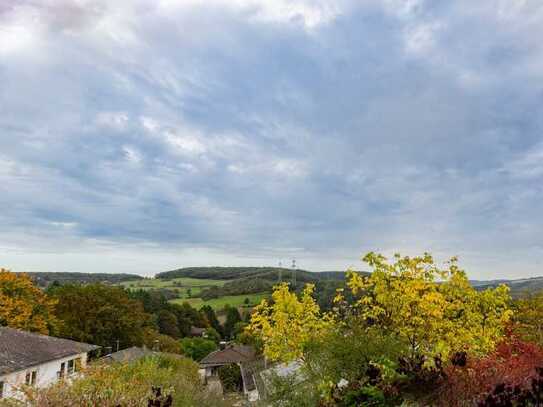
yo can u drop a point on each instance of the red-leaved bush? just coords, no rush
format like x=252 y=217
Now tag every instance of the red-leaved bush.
x=513 y=363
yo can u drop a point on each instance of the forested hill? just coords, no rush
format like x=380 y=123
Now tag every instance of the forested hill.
x=263 y=273
x=43 y=279
x=518 y=287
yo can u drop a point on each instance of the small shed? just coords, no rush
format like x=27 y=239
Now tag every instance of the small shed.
x=240 y=355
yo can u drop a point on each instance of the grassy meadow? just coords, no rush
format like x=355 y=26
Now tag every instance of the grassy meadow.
x=182 y=285
x=219 y=303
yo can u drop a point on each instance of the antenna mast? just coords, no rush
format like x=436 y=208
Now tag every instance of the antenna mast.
x=294 y=273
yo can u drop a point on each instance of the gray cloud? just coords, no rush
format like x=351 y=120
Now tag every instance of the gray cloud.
x=248 y=132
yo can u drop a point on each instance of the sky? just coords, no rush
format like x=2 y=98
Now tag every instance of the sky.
x=141 y=136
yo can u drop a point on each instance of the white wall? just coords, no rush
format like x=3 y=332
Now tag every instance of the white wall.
x=46 y=374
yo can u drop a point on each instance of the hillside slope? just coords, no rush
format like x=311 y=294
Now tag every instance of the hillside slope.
x=518 y=287
x=265 y=273
x=43 y=279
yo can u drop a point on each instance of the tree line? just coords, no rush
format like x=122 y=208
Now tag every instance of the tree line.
x=410 y=333
x=111 y=316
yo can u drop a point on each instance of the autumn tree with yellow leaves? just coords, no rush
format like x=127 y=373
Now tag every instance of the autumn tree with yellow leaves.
x=25 y=306
x=435 y=310
x=289 y=323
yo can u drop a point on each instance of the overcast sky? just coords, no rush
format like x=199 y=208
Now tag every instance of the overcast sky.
x=140 y=136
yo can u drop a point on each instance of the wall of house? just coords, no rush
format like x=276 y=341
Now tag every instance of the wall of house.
x=47 y=373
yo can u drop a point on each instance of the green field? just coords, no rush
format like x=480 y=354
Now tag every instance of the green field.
x=219 y=303
x=180 y=285
x=182 y=282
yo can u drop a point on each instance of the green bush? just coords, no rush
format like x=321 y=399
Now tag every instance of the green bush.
x=197 y=348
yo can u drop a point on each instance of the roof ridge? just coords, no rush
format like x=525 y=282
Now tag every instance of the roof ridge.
x=46 y=337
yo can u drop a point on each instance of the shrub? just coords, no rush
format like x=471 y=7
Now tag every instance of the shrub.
x=197 y=348
x=512 y=365
x=131 y=384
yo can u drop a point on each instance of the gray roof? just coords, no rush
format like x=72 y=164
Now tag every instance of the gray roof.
x=20 y=350
x=196 y=331
x=232 y=354
x=129 y=354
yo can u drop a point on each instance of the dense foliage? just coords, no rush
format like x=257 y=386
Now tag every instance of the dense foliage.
x=197 y=348
x=513 y=364
x=237 y=287
x=287 y=325
x=435 y=319
x=24 y=306
x=411 y=333
x=171 y=319
x=273 y=274
x=128 y=385
x=44 y=279
x=390 y=337
x=100 y=314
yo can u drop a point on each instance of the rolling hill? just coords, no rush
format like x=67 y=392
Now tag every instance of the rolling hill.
x=518 y=287
x=43 y=279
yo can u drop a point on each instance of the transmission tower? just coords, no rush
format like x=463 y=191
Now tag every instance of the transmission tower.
x=294 y=273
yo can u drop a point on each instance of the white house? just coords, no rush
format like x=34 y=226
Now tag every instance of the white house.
x=37 y=360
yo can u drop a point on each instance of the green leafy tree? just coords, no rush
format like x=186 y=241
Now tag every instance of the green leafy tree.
x=197 y=348
x=101 y=315
x=187 y=316
x=168 y=324
x=212 y=335
x=528 y=317
x=232 y=318
x=212 y=319
x=162 y=343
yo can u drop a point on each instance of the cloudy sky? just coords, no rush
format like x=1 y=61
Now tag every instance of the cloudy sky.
x=140 y=136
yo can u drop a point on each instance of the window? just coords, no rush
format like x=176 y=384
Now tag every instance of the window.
x=30 y=378
x=1 y=389
x=71 y=366
x=62 y=370
x=74 y=365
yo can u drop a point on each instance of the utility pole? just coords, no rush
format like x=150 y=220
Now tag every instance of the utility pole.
x=117 y=345
x=294 y=273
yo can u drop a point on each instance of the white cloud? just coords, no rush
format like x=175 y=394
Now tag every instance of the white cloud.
x=15 y=38
x=414 y=124
x=310 y=13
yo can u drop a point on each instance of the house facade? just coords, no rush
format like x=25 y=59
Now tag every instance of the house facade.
x=37 y=360
x=240 y=355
